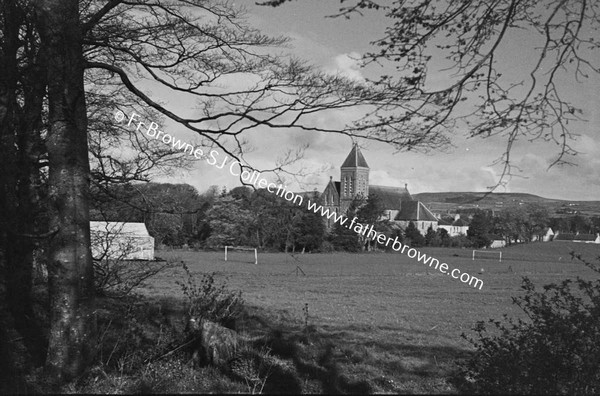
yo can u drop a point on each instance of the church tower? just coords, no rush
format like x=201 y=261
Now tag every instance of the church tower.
x=354 y=178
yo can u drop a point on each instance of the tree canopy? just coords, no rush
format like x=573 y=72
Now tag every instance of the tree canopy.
x=453 y=65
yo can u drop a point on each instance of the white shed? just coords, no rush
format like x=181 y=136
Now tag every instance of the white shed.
x=115 y=240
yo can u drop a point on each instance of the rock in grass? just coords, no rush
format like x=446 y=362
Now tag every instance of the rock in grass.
x=217 y=344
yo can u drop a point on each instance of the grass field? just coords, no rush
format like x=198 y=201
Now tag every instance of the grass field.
x=386 y=317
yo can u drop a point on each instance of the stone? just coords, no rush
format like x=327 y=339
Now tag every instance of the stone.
x=215 y=345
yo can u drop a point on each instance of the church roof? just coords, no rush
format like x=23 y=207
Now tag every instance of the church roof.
x=415 y=210
x=391 y=197
x=355 y=159
x=445 y=222
x=460 y=223
x=308 y=194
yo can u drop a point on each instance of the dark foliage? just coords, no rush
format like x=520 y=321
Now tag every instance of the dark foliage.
x=479 y=229
x=555 y=351
x=211 y=300
x=413 y=236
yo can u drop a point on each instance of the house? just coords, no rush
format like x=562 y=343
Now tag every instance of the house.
x=454 y=227
x=399 y=206
x=121 y=241
x=417 y=213
x=497 y=241
x=583 y=238
x=546 y=235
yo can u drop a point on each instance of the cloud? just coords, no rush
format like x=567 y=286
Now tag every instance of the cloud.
x=347 y=65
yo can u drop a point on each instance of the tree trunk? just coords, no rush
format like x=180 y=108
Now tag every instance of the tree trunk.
x=70 y=269
x=20 y=336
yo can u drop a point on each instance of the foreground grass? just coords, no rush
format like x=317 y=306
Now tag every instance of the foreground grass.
x=354 y=323
x=366 y=322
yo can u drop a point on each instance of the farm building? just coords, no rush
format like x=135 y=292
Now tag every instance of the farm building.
x=399 y=206
x=546 y=235
x=454 y=227
x=121 y=241
x=497 y=241
x=583 y=238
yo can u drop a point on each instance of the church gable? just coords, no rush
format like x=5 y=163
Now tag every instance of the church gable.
x=331 y=194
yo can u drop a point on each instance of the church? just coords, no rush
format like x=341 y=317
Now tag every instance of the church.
x=399 y=206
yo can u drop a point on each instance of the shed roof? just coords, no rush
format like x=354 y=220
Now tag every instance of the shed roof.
x=564 y=237
x=123 y=228
x=585 y=237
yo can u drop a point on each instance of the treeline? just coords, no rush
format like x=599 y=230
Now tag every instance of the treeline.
x=525 y=223
x=177 y=215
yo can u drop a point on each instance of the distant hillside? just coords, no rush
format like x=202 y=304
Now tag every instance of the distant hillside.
x=451 y=201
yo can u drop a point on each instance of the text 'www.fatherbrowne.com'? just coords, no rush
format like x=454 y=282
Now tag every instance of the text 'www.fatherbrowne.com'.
x=253 y=177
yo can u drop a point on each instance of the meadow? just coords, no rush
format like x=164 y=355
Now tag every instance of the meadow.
x=383 y=317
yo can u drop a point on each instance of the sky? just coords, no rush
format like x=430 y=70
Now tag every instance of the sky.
x=334 y=44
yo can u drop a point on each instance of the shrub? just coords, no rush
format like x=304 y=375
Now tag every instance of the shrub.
x=556 y=351
x=117 y=278
x=460 y=241
x=115 y=274
x=326 y=247
x=210 y=300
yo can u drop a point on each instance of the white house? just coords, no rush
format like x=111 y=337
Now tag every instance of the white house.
x=497 y=241
x=545 y=235
x=121 y=241
x=456 y=227
x=583 y=238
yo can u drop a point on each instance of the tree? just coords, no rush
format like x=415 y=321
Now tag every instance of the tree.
x=478 y=84
x=371 y=211
x=230 y=223
x=413 y=235
x=521 y=222
x=432 y=238
x=187 y=47
x=309 y=230
x=344 y=238
x=579 y=224
x=479 y=229
x=70 y=270
x=538 y=219
x=192 y=48
x=511 y=223
x=595 y=224
x=22 y=342
x=369 y=214
x=443 y=236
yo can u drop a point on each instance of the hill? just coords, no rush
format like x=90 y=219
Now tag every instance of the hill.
x=450 y=202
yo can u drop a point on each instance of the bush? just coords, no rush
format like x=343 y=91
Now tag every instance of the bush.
x=557 y=351
x=117 y=278
x=460 y=241
x=326 y=247
x=210 y=300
